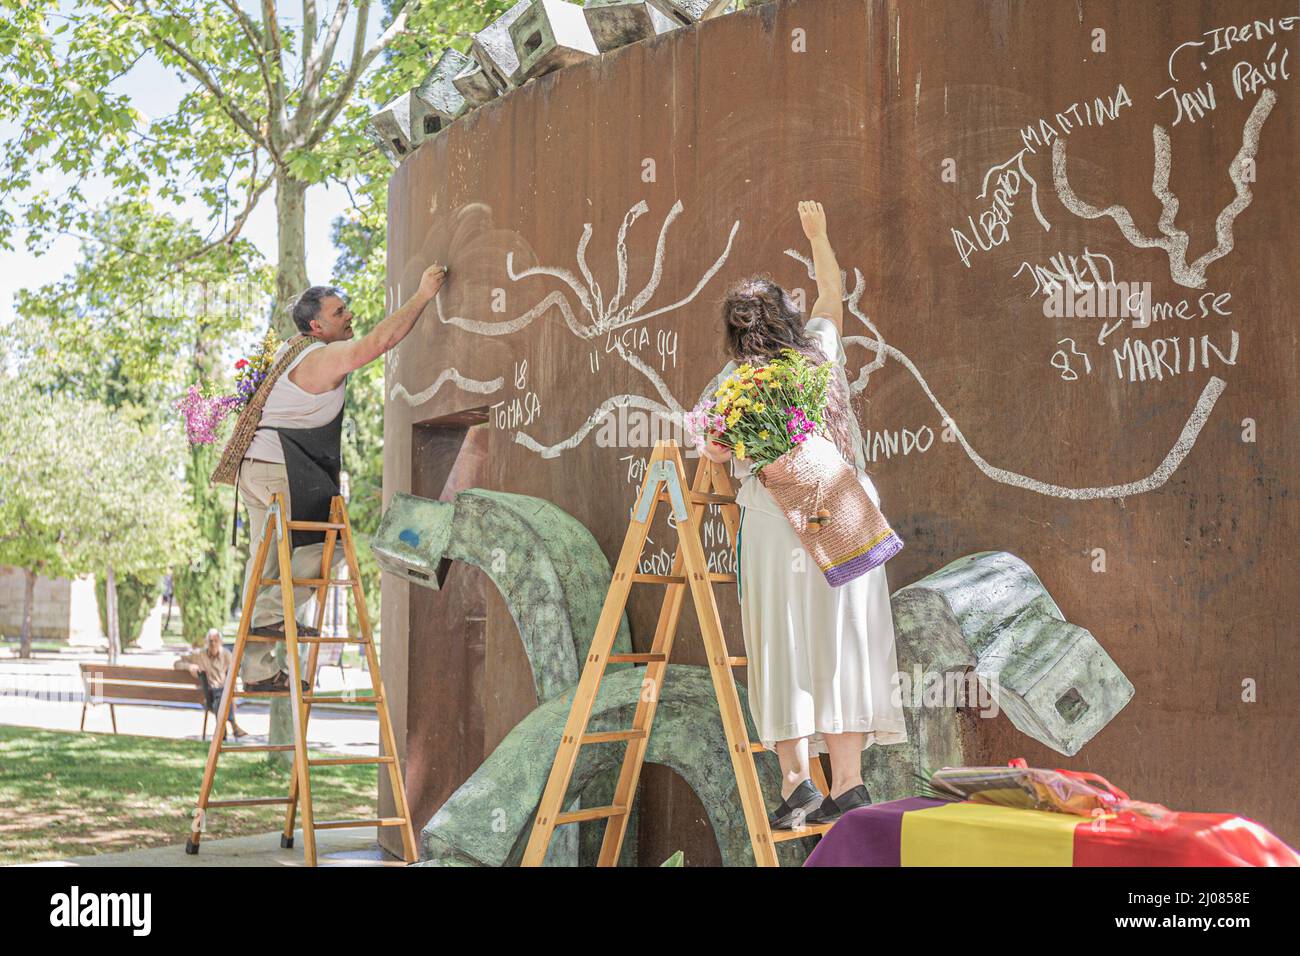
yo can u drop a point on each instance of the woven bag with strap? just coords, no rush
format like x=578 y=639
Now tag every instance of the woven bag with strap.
x=227 y=470
x=839 y=525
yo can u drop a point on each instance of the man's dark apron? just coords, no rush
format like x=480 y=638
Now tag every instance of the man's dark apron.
x=312 y=459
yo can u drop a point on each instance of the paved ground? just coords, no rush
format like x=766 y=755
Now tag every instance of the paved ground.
x=46 y=691
x=333 y=848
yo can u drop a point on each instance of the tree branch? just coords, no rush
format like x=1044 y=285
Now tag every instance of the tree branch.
x=308 y=29
x=259 y=50
x=315 y=68
x=254 y=194
x=237 y=116
x=333 y=104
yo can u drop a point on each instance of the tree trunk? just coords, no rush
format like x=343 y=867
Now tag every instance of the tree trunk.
x=110 y=598
x=291 y=266
x=290 y=282
x=29 y=596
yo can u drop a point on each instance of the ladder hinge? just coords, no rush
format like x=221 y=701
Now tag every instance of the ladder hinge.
x=666 y=472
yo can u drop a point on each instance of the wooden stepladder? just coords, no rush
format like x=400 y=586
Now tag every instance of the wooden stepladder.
x=338 y=529
x=665 y=481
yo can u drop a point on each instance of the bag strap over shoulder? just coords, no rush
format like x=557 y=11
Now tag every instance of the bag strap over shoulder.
x=250 y=416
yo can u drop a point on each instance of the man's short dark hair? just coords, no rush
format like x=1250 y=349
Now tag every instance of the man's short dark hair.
x=307 y=307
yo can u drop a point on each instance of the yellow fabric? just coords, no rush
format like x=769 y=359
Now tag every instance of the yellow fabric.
x=971 y=834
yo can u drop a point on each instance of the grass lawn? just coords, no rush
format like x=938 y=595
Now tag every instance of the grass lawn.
x=68 y=794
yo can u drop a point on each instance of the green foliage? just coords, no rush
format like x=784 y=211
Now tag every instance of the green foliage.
x=85 y=488
x=262 y=103
x=130 y=326
x=202 y=586
x=136 y=597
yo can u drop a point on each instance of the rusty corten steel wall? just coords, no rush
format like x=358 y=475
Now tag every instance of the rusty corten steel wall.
x=927 y=129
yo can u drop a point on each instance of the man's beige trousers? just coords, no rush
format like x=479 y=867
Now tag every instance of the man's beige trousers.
x=258 y=481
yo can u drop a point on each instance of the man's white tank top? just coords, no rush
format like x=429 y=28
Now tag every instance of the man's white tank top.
x=289 y=406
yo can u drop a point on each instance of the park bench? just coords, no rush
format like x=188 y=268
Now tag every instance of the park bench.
x=114 y=684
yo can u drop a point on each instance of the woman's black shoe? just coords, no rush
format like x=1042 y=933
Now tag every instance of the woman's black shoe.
x=833 y=807
x=794 y=809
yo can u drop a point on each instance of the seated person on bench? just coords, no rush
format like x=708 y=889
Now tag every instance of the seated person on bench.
x=211 y=667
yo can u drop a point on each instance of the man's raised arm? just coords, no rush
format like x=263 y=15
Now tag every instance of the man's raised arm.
x=323 y=369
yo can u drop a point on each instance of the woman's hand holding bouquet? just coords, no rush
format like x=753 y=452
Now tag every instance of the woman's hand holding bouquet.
x=760 y=413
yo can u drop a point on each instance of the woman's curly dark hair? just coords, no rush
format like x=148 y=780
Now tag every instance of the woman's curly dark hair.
x=760 y=319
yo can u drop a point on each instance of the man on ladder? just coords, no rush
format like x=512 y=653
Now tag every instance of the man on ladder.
x=296 y=448
x=292 y=460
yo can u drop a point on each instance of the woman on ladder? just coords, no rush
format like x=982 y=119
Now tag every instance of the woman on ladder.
x=821 y=660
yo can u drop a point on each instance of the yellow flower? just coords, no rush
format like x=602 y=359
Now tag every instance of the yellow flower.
x=733 y=418
x=760 y=407
x=763 y=433
x=740 y=450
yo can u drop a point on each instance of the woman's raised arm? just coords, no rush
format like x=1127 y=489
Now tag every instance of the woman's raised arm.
x=830 y=291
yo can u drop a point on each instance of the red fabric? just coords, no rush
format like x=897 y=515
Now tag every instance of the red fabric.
x=1189 y=839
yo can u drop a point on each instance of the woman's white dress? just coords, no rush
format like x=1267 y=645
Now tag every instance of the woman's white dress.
x=821 y=659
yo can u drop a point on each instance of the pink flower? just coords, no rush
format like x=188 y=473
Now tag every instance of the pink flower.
x=203 y=416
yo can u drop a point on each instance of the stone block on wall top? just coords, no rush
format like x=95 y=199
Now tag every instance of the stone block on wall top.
x=691 y=11
x=494 y=50
x=438 y=89
x=616 y=23
x=550 y=35
x=384 y=146
x=404 y=123
x=475 y=85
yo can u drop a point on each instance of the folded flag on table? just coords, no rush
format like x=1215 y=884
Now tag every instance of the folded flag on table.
x=1006 y=823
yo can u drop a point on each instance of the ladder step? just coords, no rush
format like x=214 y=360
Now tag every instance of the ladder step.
x=254 y=748
x=756 y=748
x=315 y=699
x=345 y=761
x=658 y=579
x=250 y=802
x=350 y=639
x=638 y=658
x=738 y=661
x=809 y=830
x=590 y=813
x=343 y=824
x=700 y=497
x=316 y=525
x=679 y=578
x=313 y=582
x=609 y=736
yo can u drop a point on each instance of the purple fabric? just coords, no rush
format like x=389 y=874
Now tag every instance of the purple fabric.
x=844 y=573
x=868 y=836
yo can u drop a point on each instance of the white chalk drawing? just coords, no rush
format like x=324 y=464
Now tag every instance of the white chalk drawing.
x=1175 y=241
x=602 y=318
x=447 y=375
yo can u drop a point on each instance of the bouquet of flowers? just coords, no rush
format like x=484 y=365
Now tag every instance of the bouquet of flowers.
x=775 y=415
x=249 y=373
x=762 y=413
x=204 y=410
